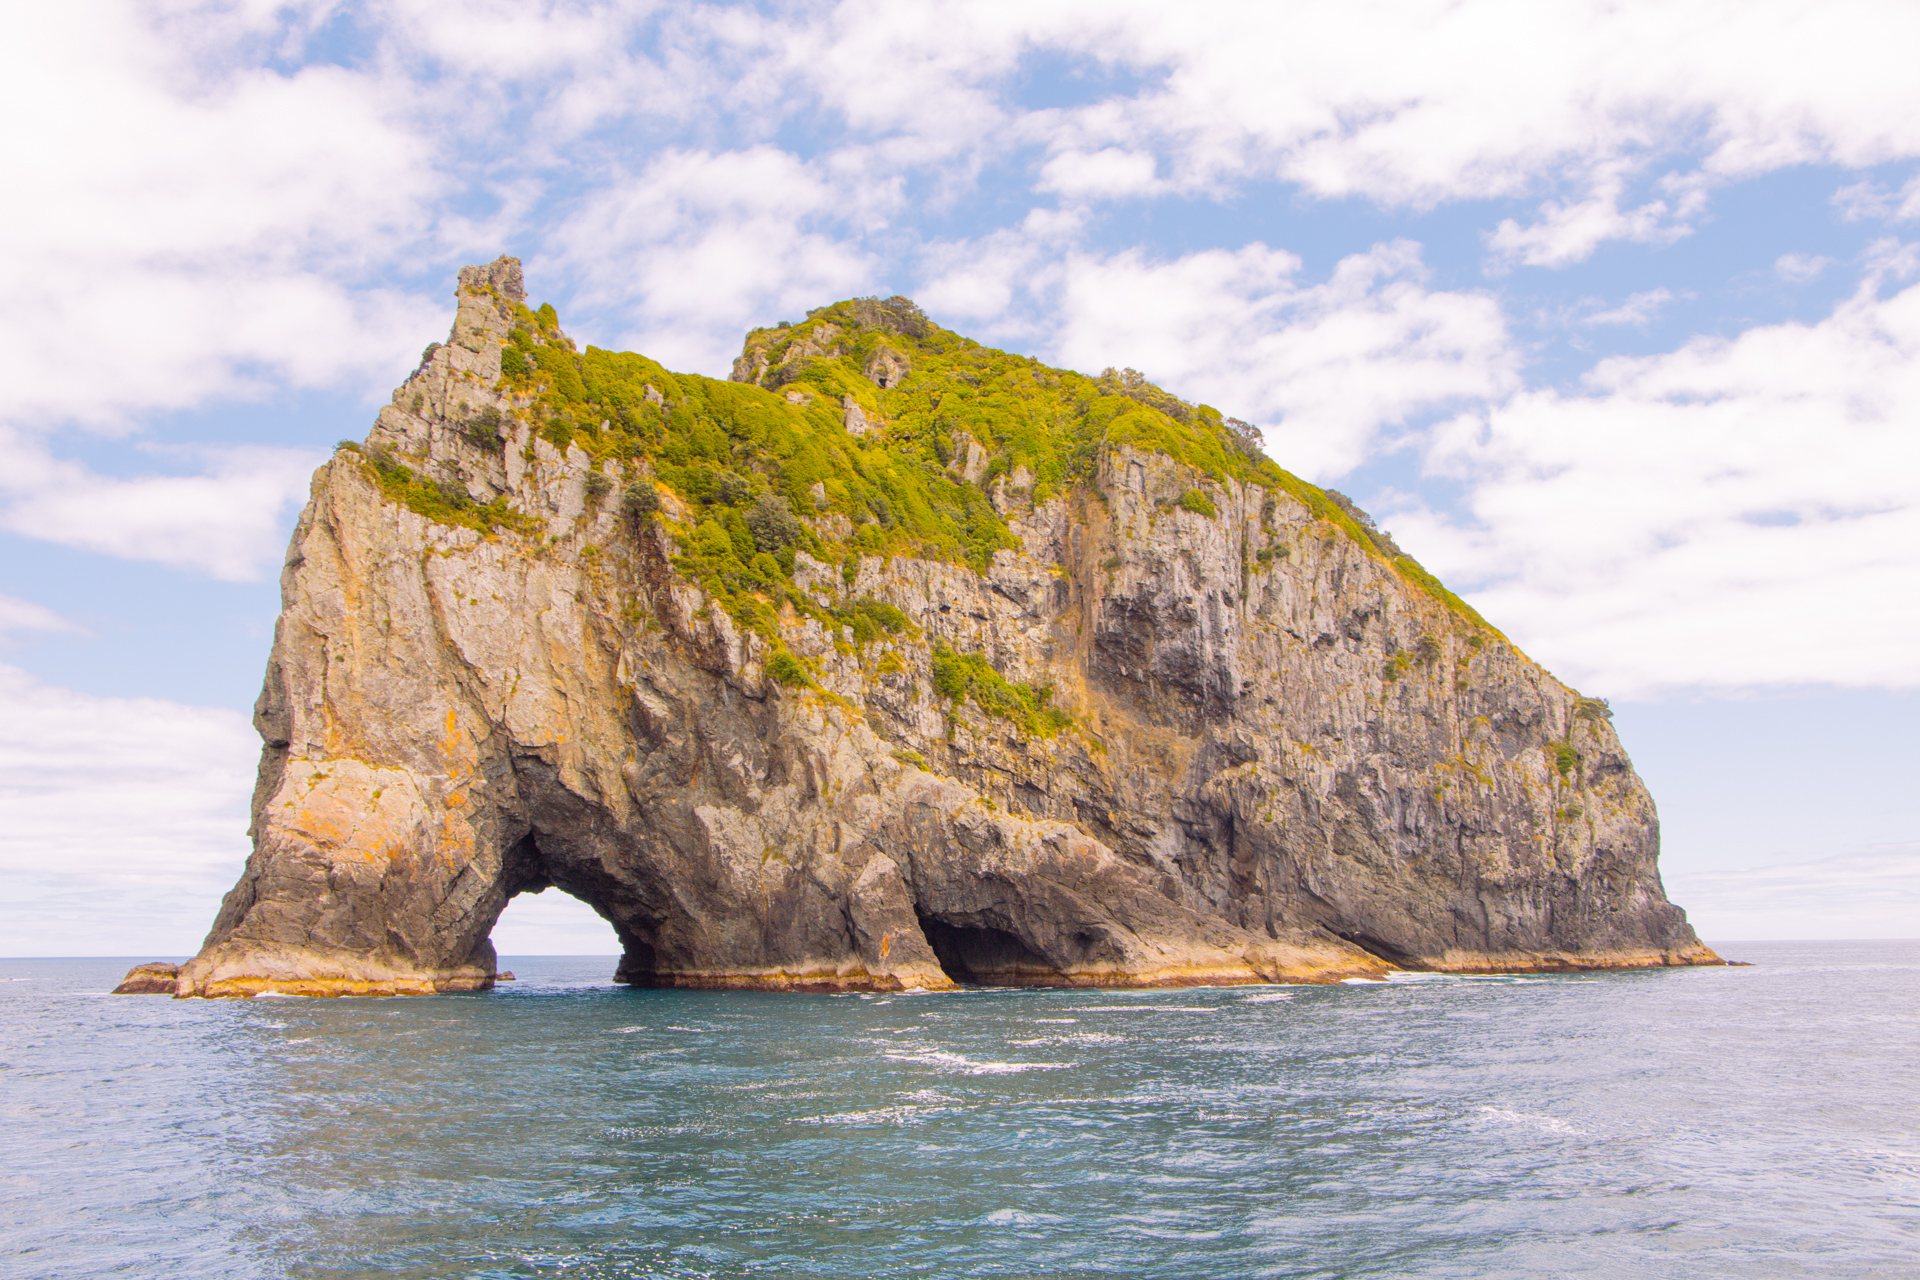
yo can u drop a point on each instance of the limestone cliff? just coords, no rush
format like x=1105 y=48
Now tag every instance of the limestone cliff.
x=893 y=662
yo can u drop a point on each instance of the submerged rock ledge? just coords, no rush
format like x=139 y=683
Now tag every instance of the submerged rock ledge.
x=893 y=663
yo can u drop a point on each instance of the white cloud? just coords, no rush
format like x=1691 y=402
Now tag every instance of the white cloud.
x=1639 y=309
x=1734 y=513
x=501 y=40
x=1569 y=233
x=1871 y=894
x=267 y=201
x=117 y=343
x=1323 y=367
x=1001 y=280
x=1109 y=172
x=1798 y=268
x=227 y=522
x=1890 y=258
x=126 y=819
x=183 y=222
x=18 y=615
x=1400 y=104
x=699 y=241
x=1867 y=199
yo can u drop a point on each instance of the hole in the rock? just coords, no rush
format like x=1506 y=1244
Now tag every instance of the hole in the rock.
x=551 y=923
x=979 y=956
x=574 y=919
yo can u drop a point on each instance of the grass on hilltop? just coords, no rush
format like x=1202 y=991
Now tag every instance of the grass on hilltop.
x=750 y=461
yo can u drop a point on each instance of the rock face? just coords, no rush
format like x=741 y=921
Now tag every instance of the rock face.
x=1272 y=751
x=156 y=978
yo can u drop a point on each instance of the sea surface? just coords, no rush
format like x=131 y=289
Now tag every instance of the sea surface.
x=1758 y=1121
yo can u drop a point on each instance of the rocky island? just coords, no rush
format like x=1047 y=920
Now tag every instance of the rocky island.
x=893 y=662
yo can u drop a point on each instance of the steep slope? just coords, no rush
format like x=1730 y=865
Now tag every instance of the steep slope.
x=894 y=661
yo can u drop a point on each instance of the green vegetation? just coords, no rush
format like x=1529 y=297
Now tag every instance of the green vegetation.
x=483 y=429
x=443 y=501
x=748 y=462
x=1593 y=709
x=969 y=677
x=869 y=619
x=1197 y=502
x=786 y=669
x=638 y=502
x=1564 y=757
x=1426 y=652
x=1413 y=572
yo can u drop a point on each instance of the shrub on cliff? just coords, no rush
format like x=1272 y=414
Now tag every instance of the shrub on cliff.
x=969 y=677
x=1197 y=502
x=869 y=619
x=772 y=523
x=638 y=502
x=785 y=669
x=483 y=429
x=444 y=501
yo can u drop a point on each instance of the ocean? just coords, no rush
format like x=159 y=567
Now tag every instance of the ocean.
x=1759 y=1121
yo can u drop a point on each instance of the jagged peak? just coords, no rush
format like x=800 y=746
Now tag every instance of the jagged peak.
x=502 y=277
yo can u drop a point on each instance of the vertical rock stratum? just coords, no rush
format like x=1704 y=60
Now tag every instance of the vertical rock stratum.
x=893 y=662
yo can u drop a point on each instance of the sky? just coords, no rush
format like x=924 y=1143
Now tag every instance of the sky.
x=1609 y=312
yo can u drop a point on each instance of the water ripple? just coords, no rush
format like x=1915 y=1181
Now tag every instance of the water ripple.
x=1733 y=1122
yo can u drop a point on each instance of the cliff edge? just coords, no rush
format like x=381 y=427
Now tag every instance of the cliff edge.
x=893 y=662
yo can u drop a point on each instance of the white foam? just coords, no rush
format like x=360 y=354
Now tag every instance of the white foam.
x=877 y=1115
x=972 y=1067
x=1269 y=998
x=660 y=1130
x=1505 y=979
x=1074 y=1037
x=1546 y=1124
x=1020 y=1218
x=761 y=1086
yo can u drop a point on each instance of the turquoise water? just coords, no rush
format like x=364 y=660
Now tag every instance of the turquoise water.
x=1713 y=1122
